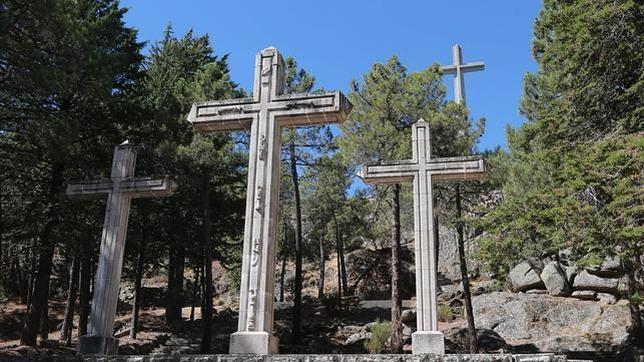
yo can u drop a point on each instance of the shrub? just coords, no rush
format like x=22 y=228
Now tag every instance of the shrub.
x=380 y=333
x=445 y=313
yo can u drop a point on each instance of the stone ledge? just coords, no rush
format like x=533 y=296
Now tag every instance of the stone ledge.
x=545 y=357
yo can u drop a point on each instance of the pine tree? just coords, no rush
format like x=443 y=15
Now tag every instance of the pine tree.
x=574 y=166
x=66 y=67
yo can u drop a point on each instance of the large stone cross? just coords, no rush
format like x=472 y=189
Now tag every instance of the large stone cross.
x=120 y=189
x=265 y=113
x=423 y=170
x=458 y=68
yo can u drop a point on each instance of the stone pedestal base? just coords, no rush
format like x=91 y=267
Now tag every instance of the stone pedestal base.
x=253 y=342
x=427 y=342
x=94 y=344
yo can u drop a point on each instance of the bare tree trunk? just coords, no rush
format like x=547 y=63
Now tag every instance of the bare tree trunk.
x=636 y=329
x=174 y=299
x=396 y=305
x=138 y=276
x=70 y=306
x=2 y=271
x=195 y=288
x=469 y=311
x=297 y=293
x=437 y=239
x=322 y=271
x=206 y=310
x=32 y=280
x=40 y=297
x=342 y=268
x=44 y=320
x=84 y=295
x=282 y=278
x=282 y=274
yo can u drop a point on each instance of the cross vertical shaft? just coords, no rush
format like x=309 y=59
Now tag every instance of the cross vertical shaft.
x=265 y=113
x=422 y=170
x=120 y=189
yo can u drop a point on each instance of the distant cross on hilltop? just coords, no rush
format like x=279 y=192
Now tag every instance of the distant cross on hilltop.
x=458 y=68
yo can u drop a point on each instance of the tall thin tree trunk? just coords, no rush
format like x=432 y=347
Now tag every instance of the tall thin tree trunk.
x=437 y=239
x=322 y=267
x=636 y=329
x=340 y=287
x=206 y=311
x=171 y=299
x=282 y=278
x=2 y=271
x=174 y=301
x=32 y=280
x=297 y=293
x=40 y=297
x=195 y=289
x=342 y=268
x=396 y=304
x=70 y=306
x=469 y=311
x=44 y=320
x=84 y=295
x=138 y=276
x=282 y=274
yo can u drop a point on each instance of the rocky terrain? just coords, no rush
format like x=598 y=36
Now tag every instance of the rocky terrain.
x=551 y=308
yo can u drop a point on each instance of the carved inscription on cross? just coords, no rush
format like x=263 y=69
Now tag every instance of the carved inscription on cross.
x=423 y=170
x=120 y=189
x=265 y=113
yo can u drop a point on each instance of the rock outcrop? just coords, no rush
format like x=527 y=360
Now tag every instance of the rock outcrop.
x=552 y=323
x=558 y=276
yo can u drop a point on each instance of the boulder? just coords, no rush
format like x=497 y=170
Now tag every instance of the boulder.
x=555 y=280
x=587 y=281
x=369 y=326
x=560 y=324
x=357 y=338
x=523 y=277
x=408 y=316
x=488 y=340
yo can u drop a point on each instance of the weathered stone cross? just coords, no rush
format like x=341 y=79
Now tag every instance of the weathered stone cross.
x=458 y=68
x=424 y=170
x=120 y=190
x=265 y=114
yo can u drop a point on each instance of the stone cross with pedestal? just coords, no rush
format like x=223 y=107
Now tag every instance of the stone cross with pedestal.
x=458 y=68
x=265 y=114
x=423 y=170
x=120 y=189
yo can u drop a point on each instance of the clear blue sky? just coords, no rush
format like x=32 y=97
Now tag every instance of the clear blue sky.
x=338 y=41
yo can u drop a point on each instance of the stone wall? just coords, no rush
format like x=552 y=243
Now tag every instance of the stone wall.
x=326 y=358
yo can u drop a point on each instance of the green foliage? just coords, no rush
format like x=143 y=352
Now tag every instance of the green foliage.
x=67 y=70
x=574 y=170
x=380 y=333
x=590 y=79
